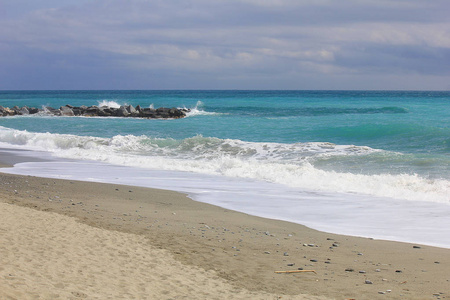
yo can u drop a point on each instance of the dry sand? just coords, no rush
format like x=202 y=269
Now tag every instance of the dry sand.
x=119 y=242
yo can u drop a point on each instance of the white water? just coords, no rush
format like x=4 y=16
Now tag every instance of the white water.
x=286 y=164
x=344 y=213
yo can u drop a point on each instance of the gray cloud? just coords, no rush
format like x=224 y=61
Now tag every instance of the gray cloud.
x=140 y=44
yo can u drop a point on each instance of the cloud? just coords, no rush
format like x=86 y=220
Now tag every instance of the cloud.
x=222 y=44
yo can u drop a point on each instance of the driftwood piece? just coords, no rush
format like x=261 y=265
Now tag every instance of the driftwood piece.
x=295 y=271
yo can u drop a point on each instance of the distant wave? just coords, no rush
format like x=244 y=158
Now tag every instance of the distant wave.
x=310 y=111
x=288 y=164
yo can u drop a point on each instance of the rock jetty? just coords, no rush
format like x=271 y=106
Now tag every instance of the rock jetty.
x=95 y=111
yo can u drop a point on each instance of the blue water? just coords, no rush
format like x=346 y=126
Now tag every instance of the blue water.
x=386 y=144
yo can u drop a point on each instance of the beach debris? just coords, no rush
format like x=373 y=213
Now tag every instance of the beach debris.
x=295 y=271
x=416 y=247
x=266 y=252
x=286 y=254
x=349 y=270
x=368 y=282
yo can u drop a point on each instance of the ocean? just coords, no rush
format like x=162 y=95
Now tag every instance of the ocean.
x=366 y=163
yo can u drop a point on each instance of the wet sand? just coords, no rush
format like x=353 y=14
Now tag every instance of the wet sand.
x=140 y=243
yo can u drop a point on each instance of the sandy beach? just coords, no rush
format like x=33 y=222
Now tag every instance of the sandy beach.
x=68 y=240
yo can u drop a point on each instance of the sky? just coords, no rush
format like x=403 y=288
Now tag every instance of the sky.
x=225 y=44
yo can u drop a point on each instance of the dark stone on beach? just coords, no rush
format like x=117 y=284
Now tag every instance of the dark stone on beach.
x=416 y=247
x=349 y=270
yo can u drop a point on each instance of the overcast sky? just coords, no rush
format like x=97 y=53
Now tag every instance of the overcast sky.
x=225 y=44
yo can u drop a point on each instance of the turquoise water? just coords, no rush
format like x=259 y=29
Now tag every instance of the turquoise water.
x=355 y=162
x=357 y=132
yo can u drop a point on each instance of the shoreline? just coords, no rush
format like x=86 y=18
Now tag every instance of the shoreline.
x=243 y=250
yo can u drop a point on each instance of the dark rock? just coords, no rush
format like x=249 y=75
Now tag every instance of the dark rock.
x=131 y=110
x=91 y=111
x=176 y=113
x=52 y=111
x=104 y=111
x=122 y=112
x=33 y=110
x=24 y=111
x=107 y=111
x=16 y=110
x=77 y=111
x=148 y=113
x=66 y=111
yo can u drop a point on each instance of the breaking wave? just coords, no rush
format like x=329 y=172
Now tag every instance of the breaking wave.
x=288 y=164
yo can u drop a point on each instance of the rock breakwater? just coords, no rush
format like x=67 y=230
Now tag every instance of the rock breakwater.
x=96 y=111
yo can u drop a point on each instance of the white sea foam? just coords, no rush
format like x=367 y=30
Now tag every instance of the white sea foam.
x=198 y=110
x=109 y=103
x=288 y=164
x=369 y=216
